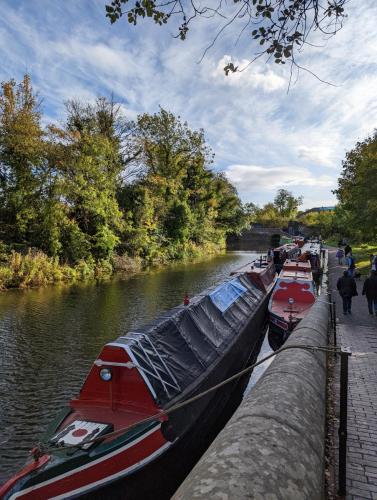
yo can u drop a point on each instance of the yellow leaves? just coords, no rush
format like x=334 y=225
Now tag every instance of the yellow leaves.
x=212 y=202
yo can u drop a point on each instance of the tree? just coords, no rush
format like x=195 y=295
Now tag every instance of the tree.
x=322 y=222
x=22 y=160
x=357 y=189
x=276 y=213
x=176 y=203
x=286 y=204
x=251 y=211
x=89 y=168
x=104 y=118
x=231 y=216
x=279 y=28
x=268 y=215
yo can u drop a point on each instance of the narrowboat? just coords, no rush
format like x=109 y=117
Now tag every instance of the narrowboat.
x=291 y=299
x=284 y=252
x=312 y=252
x=299 y=240
x=127 y=417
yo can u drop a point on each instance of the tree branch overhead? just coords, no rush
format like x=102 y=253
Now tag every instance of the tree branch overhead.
x=278 y=28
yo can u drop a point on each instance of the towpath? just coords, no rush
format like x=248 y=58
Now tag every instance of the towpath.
x=358 y=333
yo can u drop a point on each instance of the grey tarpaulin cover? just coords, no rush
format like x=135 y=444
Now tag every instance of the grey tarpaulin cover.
x=181 y=344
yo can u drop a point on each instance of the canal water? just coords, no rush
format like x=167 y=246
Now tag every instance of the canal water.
x=49 y=338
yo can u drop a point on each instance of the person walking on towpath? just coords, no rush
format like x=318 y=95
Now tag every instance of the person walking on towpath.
x=373 y=262
x=339 y=256
x=370 y=290
x=347 y=250
x=347 y=288
x=351 y=265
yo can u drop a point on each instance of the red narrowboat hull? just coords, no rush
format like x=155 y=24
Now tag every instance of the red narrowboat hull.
x=293 y=295
x=96 y=474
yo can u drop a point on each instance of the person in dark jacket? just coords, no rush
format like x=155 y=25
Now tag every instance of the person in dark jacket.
x=347 y=250
x=347 y=289
x=370 y=290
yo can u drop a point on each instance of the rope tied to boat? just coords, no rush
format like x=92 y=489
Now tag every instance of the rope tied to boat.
x=44 y=448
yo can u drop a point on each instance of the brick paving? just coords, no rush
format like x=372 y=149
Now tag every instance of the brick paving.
x=358 y=333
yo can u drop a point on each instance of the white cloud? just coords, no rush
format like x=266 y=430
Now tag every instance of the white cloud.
x=251 y=178
x=254 y=75
x=322 y=154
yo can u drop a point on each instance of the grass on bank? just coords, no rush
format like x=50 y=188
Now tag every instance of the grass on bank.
x=36 y=269
x=361 y=252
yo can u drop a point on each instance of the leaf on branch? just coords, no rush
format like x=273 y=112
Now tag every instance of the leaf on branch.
x=230 y=68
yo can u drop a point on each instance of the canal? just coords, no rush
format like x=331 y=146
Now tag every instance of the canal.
x=49 y=338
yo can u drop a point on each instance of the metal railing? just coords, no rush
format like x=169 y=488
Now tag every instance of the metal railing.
x=343 y=404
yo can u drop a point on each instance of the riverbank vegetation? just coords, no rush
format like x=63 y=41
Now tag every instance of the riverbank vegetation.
x=356 y=192
x=277 y=213
x=101 y=191
x=355 y=216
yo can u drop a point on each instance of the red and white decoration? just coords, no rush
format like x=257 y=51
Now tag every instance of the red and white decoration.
x=79 y=431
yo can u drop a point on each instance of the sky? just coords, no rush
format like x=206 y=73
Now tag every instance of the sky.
x=264 y=137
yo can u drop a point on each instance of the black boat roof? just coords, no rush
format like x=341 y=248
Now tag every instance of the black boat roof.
x=182 y=343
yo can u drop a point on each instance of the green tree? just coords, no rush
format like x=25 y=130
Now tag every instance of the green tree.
x=22 y=161
x=251 y=211
x=170 y=163
x=187 y=204
x=269 y=216
x=357 y=190
x=286 y=204
x=231 y=216
x=89 y=168
x=322 y=222
x=101 y=183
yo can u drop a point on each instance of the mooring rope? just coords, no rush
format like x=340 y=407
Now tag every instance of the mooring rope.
x=42 y=448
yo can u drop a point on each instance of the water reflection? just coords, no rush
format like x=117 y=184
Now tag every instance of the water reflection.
x=49 y=338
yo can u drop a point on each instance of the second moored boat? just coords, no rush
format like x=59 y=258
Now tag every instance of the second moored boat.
x=293 y=296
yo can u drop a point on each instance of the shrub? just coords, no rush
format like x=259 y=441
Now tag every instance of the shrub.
x=125 y=263
x=5 y=277
x=103 y=268
x=85 y=269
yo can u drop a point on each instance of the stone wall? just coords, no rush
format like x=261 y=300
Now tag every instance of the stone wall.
x=273 y=446
x=257 y=238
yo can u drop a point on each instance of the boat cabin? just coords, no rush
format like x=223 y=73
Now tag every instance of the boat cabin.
x=284 y=252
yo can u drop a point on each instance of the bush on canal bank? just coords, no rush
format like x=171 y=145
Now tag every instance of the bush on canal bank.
x=36 y=269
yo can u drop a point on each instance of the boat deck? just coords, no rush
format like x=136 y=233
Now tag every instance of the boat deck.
x=119 y=417
x=301 y=294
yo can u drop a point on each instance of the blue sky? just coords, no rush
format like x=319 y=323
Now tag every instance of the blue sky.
x=264 y=139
